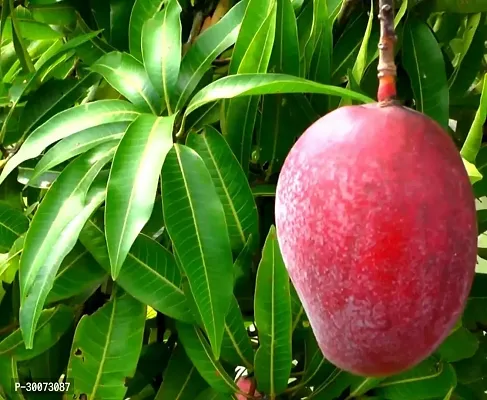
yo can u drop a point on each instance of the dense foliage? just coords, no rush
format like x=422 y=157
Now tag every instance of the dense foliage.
x=141 y=143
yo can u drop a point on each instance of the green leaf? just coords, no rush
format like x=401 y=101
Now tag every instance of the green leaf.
x=128 y=76
x=251 y=54
x=470 y=30
x=148 y=270
x=54 y=230
x=141 y=12
x=133 y=181
x=13 y=224
x=236 y=346
x=78 y=273
x=257 y=84
x=333 y=386
x=181 y=379
x=200 y=354
x=460 y=344
x=310 y=39
x=423 y=61
x=78 y=143
x=212 y=394
x=53 y=97
x=67 y=123
x=361 y=62
x=272 y=311
x=231 y=185
x=195 y=221
x=53 y=323
x=161 y=50
x=429 y=379
x=207 y=47
x=472 y=143
x=473 y=173
x=106 y=347
x=457 y=6
x=317 y=368
x=54 y=14
x=285 y=53
x=8 y=377
x=151 y=275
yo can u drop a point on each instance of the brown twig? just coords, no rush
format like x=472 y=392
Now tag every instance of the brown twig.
x=386 y=68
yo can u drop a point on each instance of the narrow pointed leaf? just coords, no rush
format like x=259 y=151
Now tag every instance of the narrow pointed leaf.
x=9 y=376
x=79 y=143
x=473 y=142
x=133 y=181
x=199 y=352
x=53 y=97
x=236 y=346
x=231 y=185
x=54 y=231
x=195 y=221
x=128 y=76
x=13 y=223
x=67 y=123
x=207 y=47
x=273 y=320
x=181 y=379
x=424 y=63
x=106 y=347
x=257 y=84
x=161 y=50
x=78 y=273
x=318 y=21
x=251 y=55
x=429 y=379
x=141 y=12
x=53 y=323
x=150 y=273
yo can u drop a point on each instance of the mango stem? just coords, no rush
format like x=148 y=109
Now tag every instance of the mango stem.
x=386 y=68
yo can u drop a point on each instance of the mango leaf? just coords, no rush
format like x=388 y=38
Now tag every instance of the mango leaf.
x=423 y=61
x=285 y=52
x=430 y=379
x=472 y=25
x=151 y=275
x=460 y=344
x=333 y=386
x=106 y=347
x=472 y=143
x=251 y=54
x=78 y=143
x=361 y=385
x=141 y=12
x=53 y=323
x=148 y=270
x=13 y=223
x=272 y=311
x=231 y=185
x=133 y=181
x=473 y=173
x=236 y=346
x=128 y=76
x=67 y=123
x=54 y=13
x=161 y=50
x=212 y=394
x=199 y=352
x=195 y=221
x=361 y=62
x=181 y=379
x=8 y=377
x=54 y=231
x=78 y=273
x=207 y=47
x=257 y=84
x=310 y=39
x=53 y=97
x=43 y=66
x=317 y=368
x=457 y=6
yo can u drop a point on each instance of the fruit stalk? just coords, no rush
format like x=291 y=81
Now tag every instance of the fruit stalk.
x=386 y=68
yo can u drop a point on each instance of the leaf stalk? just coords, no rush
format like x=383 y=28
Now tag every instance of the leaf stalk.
x=387 y=68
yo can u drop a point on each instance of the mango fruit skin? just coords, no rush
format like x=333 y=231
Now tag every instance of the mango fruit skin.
x=376 y=222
